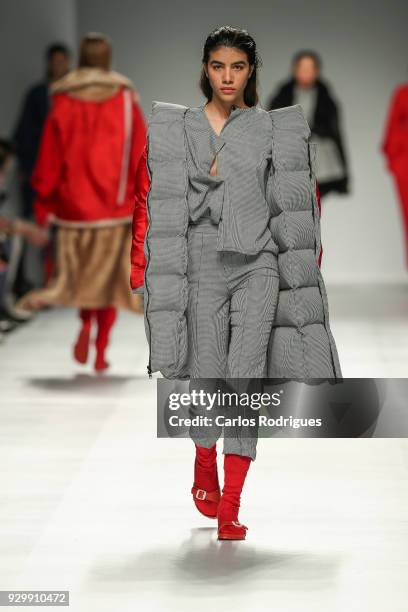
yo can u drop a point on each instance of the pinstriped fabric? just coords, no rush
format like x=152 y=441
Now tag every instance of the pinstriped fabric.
x=299 y=268
x=301 y=343
x=206 y=192
x=165 y=246
x=293 y=229
x=281 y=179
x=235 y=197
x=231 y=309
x=289 y=191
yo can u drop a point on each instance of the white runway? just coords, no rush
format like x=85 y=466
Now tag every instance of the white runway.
x=93 y=503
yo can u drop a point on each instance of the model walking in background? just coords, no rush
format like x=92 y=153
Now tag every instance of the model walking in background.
x=395 y=148
x=84 y=180
x=307 y=88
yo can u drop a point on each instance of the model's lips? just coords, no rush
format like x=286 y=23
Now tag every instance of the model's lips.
x=227 y=89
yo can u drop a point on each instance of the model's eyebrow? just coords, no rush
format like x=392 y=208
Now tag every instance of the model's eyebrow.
x=222 y=63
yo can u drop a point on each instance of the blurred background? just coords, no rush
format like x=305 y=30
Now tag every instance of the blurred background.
x=364 y=51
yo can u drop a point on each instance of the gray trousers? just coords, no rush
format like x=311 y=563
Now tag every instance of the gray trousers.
x=231 y=308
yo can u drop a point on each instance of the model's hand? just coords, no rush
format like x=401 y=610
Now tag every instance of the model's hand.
x=37 y=236
x=34 y=234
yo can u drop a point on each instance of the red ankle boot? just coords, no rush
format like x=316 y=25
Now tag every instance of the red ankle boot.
x=81 y=348
x=106 y=318
x=235 y=471
x=206 y=489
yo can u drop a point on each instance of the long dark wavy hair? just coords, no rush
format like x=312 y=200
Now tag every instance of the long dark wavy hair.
x=227 y=36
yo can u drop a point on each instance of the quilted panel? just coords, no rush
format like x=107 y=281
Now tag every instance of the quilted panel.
x=286 y=354
x=299 y=307
x=168 y=255
x=168 y=179
x=165 y=245
x=164 y=224
x=293 y=230
x=318 y=352
x=301 y=343
x=289 y=190
x=297 y=268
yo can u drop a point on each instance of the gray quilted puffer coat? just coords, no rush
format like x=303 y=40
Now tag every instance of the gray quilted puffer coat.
x=301 y=343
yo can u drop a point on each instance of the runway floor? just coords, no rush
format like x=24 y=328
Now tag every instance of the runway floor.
x=92 y=502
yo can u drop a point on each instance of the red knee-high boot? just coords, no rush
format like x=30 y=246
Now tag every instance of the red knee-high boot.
x=235 y=471
x=81 y=347
x=206 y=489
x=106 y=317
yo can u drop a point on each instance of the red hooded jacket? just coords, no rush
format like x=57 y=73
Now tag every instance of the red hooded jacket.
x=90 y=148
x=142 y=185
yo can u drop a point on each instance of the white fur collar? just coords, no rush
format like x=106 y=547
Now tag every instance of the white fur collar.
x=83 y=77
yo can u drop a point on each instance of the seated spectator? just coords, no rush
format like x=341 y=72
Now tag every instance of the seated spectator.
x=12 y=231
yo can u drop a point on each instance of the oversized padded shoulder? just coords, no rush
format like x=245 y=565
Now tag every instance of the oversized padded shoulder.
x=168 y=108
x=290 y=118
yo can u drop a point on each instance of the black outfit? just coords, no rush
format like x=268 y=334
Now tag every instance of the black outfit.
x=27 y=137
x=325 y=123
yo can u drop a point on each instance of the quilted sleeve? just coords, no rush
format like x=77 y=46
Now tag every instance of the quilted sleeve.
x=301 y=343
x=166 y=283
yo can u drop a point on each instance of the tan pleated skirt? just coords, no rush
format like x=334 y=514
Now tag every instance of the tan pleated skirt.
x=92 y=271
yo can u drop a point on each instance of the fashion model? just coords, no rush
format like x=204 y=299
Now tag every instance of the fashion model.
x=307 y=87
x=229 y=265
x=92 y=141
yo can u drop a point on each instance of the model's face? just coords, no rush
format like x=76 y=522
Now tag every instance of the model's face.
x=305 y=72
x=58 y=65
x=228 y=71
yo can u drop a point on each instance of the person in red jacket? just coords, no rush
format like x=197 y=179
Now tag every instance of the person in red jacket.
x=92 y=141
x=395 y=148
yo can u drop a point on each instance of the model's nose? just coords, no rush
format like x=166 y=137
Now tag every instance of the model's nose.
x=227 y=80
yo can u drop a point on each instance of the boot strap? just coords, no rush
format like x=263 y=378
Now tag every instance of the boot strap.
x=202 y=494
